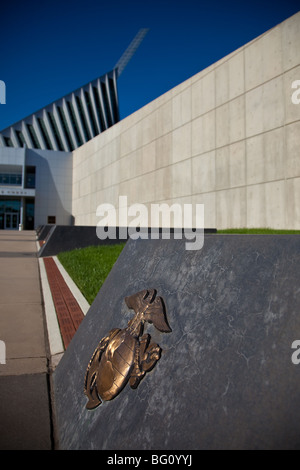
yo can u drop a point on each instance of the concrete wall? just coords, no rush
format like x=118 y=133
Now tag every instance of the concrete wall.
x=53 y=185
x=10 y=156
x=228 y=137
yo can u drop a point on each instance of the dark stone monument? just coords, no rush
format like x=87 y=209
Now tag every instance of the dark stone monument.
x=225 y=379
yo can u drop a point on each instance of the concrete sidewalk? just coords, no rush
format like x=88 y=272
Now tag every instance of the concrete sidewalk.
x=25 y=411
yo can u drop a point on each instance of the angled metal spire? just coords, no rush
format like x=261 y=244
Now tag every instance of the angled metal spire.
x=125 y=58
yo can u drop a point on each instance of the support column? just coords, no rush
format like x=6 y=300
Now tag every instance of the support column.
x=21 y=221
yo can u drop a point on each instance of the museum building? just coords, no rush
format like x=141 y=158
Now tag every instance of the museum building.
x=36 y=154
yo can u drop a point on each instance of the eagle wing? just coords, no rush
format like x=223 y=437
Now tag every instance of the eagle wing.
x=153 y=307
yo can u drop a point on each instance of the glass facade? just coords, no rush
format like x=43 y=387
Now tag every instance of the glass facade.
x=15 y=209
x=29 y=214
x=14 y=178
x=10 y=179
x=10 y=213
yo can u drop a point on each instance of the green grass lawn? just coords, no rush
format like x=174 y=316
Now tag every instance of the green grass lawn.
x=259 y=231
x=89 y=267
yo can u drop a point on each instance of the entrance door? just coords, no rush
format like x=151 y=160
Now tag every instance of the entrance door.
x=11 y=221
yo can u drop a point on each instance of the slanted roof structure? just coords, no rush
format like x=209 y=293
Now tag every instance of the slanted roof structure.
x=70 y=121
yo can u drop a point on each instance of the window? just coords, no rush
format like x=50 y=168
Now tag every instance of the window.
x=29 y=214
x=15 y=179
x=11 y=179
x=51 y=219
x=30 y=177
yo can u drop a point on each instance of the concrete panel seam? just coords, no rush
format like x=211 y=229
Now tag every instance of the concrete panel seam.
x=55 y=340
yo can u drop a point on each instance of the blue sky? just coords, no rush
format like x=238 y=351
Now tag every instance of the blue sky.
x=50 y=48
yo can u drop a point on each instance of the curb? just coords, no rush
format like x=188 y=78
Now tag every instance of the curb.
x=55 y=338
x=82 y=302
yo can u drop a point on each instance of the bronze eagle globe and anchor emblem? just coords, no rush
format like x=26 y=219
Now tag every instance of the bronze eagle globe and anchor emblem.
x=126 y=355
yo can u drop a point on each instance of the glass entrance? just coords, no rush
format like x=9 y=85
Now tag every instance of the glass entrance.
x=11 y=221
x=10 y=208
